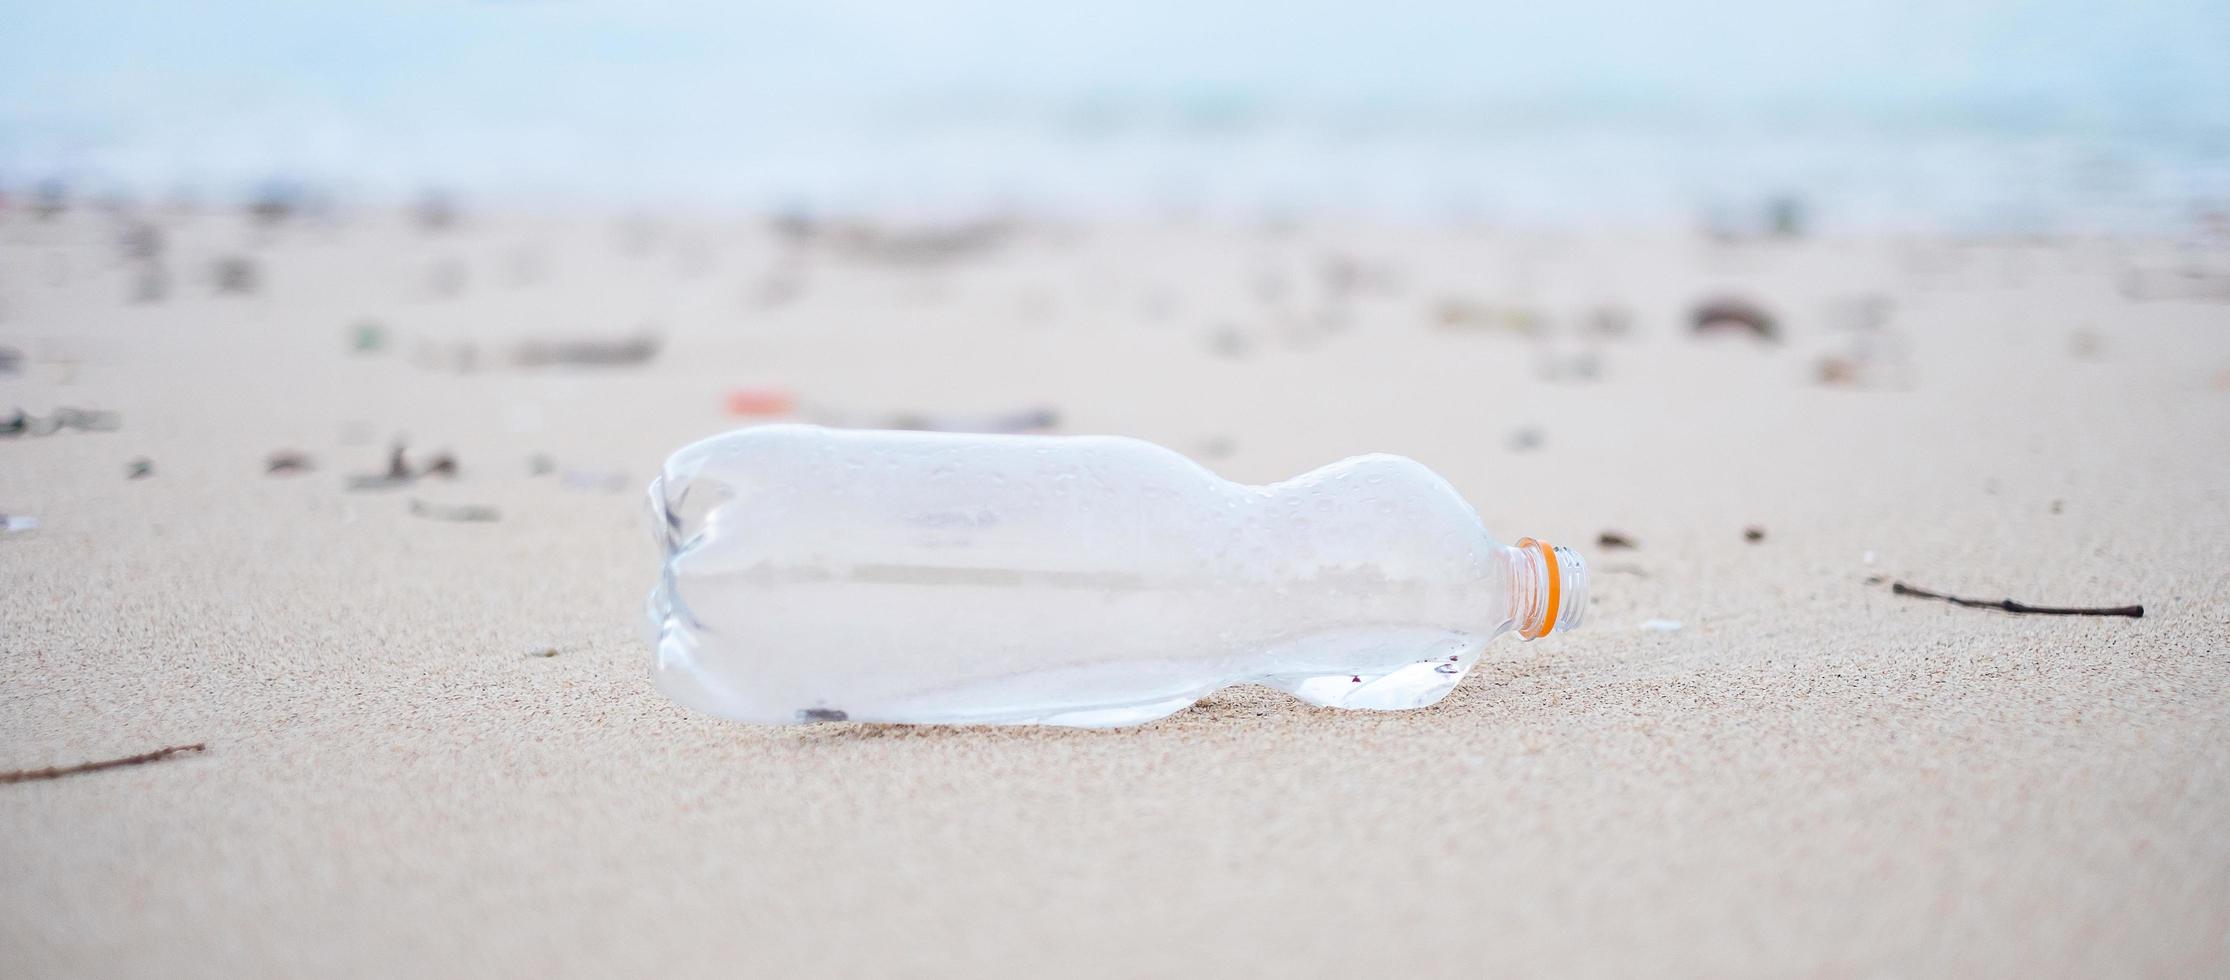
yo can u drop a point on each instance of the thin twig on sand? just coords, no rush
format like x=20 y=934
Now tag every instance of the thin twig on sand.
x=57 y=772
x=2133 y=612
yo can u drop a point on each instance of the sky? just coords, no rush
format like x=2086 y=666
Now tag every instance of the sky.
x=744 y=101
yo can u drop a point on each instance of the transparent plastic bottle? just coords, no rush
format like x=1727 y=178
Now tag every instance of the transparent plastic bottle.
x=815 y=574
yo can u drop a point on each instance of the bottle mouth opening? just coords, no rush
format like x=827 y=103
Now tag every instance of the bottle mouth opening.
x=1558 y=598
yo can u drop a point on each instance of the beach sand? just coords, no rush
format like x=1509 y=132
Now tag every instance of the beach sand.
x=1810 y=776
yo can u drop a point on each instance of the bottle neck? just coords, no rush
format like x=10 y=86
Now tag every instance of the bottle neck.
x=1548 y=588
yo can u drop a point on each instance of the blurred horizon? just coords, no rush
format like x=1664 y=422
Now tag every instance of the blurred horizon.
x=1989 y=116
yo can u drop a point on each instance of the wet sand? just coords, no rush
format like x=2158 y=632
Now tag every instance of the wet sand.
x=1810 y=775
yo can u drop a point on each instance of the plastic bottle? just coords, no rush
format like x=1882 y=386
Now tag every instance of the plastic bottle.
x=815 y=574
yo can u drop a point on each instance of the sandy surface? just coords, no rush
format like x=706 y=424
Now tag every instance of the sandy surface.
x=1811 y=776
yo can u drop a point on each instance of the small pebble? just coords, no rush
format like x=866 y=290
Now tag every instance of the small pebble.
x=139 y=469
x=1753 y=534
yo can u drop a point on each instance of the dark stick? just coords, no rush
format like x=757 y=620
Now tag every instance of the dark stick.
x=2133 y=612
x=57 y=772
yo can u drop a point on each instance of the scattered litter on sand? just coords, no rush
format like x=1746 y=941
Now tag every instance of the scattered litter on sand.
x=614 y=352
x=1778 y=217
x=918 y=245
x=235 y=274
x=375 y=481
x=1871 y=359
x=398 y=466
x=2133 y=611
x=1729 y=314
x=2151 y=285
x=368 y=338
x=397 y=474
x=761 y=401
x=287 y=462
x=434 y=211
x=274 y=204
x=81 y=419
x=140 y=240
x=1021 y=420
x=461 y=513
x=139 y=469
x=18 y=523
x=57 y=772
x=1785 y=216
x=1838 y=371
x=400 y=473
x=1660 y=626
x=1461 y=313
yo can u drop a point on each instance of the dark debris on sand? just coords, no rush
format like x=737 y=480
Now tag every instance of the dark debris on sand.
x=2011 y=606
x=1733 y=314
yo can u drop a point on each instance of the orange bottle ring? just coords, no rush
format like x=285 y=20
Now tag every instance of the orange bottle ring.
x=1556 y=589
